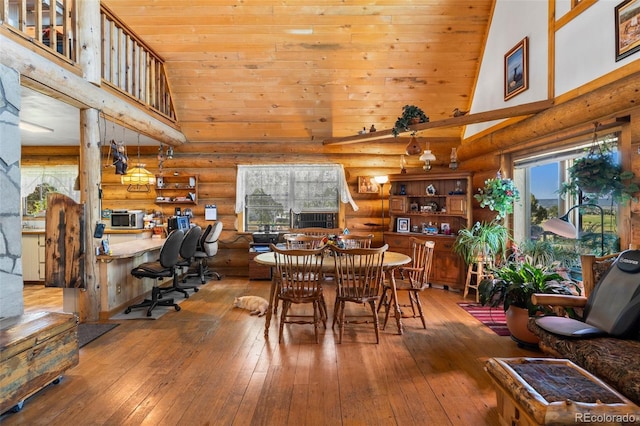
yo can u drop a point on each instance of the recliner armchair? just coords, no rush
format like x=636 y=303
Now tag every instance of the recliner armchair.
x=164 y=267
x=613 y=307
x=207 y=248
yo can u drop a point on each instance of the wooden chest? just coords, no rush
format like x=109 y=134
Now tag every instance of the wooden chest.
x=35 y=349
x=548 y=391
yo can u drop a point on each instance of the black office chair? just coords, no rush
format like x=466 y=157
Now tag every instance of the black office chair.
x=164 y=267
x=187 y=250
x=207 y=248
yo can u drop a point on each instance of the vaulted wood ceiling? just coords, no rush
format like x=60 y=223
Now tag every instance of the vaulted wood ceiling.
x=310 y=70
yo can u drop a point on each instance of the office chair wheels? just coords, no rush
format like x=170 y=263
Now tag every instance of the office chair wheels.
x=177 y=308
x=128 y=310
x=196 y=289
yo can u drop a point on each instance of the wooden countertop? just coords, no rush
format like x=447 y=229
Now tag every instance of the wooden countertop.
x=132 y=248
x=36 y=231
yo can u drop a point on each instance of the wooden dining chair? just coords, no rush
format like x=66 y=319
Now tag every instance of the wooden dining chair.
x=308 y=242
x=359 y=280
x=299 y=272
x=356 y=241
x=413 y=280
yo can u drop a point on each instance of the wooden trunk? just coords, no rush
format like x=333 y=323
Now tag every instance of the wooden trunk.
x=35 y=349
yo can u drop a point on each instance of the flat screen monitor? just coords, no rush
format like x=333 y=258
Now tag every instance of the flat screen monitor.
x=179 y=222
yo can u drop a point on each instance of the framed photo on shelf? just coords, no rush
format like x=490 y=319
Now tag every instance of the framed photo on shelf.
x=367 y=185
x=403 y=224
x=516 y=69
x=627 y=16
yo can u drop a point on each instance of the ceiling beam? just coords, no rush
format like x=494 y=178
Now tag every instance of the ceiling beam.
x=480 y=117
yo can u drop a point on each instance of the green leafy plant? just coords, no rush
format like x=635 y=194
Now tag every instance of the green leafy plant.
x=487 y=240
x=411 y=114
x=498 y=194
x=515 y=282
x=599 y=176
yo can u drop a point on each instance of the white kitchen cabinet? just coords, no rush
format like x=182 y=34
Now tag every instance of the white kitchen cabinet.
x=33 y=255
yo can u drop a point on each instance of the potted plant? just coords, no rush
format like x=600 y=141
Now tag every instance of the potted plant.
x=485 y=241
x=411 y=114
x=598 y=175
x=498 y=194
x=512 y=287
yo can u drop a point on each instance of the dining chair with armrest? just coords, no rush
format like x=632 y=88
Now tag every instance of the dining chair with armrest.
x=414 y=279
x=207 y=248
x=164 y=267
x=186 y=252
x=359 y=278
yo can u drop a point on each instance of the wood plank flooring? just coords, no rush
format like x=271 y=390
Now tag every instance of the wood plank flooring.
x=209 y=364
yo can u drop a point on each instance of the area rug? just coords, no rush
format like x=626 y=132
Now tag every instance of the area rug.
x=89 y=332
x=491 y=317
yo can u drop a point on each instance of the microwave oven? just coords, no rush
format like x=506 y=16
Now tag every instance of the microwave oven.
x=127 y=219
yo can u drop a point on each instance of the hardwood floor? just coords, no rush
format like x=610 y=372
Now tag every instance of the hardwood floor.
x=210 y=364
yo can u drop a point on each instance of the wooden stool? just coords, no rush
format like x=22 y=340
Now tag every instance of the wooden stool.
x=480 y=270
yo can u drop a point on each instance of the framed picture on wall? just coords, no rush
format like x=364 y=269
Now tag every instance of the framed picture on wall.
x=516 y=69
x=367 y=185
x=403 y=224
x=627 y=16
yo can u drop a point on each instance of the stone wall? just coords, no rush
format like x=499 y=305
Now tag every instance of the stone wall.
x=11 y=300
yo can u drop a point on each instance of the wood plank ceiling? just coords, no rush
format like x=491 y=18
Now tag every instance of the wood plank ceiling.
x=286 y=70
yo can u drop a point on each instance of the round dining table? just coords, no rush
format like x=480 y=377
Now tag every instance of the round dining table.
x=392 y=260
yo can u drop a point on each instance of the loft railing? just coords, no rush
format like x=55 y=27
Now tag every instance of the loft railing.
x=128 y=64
x=132 y=67
x=52 y=27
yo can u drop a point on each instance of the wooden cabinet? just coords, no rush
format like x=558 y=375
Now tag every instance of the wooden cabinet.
x=439 y=203
x=256 y=270
x=180 y=189
x=33 y=257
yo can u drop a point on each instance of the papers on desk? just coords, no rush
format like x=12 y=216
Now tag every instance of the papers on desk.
x=261 y=249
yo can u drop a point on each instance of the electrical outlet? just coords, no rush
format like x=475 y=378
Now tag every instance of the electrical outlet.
x=118 y=289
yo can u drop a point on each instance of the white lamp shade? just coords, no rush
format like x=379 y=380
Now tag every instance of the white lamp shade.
x=381 y=180
x=560 y=227
x=427 y=156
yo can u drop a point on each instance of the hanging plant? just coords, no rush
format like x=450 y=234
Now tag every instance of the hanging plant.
x=411 y=115
x=598 y=175
x=498 y=194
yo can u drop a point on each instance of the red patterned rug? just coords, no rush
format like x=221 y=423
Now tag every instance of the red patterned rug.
x=491 y=317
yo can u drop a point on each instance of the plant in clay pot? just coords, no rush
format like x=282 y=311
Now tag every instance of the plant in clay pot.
x=411 y=115
x=512 y=287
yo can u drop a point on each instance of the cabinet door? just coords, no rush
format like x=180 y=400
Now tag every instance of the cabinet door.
x=397 y=204
x=30 y=262
x=448 y=268
x=457 y=204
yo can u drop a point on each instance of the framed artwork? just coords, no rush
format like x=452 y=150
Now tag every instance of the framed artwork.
x=367 y=185
x=403 y=224
x=516 y=69
x=627 y=16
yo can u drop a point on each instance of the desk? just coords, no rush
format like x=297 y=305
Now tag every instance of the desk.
x=118 y=288
x=392 y=260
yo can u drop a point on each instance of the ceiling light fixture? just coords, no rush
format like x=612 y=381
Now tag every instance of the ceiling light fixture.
x=138 y=178
x=34 y=128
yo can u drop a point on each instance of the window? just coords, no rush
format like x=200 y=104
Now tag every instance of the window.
x=539 y=178
x=38 y=181
x=270 y=195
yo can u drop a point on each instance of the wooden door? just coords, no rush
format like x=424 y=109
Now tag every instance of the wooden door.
x=65 y=241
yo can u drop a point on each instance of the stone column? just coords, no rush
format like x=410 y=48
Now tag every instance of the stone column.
x=11 y=299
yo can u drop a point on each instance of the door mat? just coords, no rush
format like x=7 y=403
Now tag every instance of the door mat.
x=493 y=318
x=88 y=332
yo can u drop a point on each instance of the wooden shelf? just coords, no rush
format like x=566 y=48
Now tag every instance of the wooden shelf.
x=168 y=188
